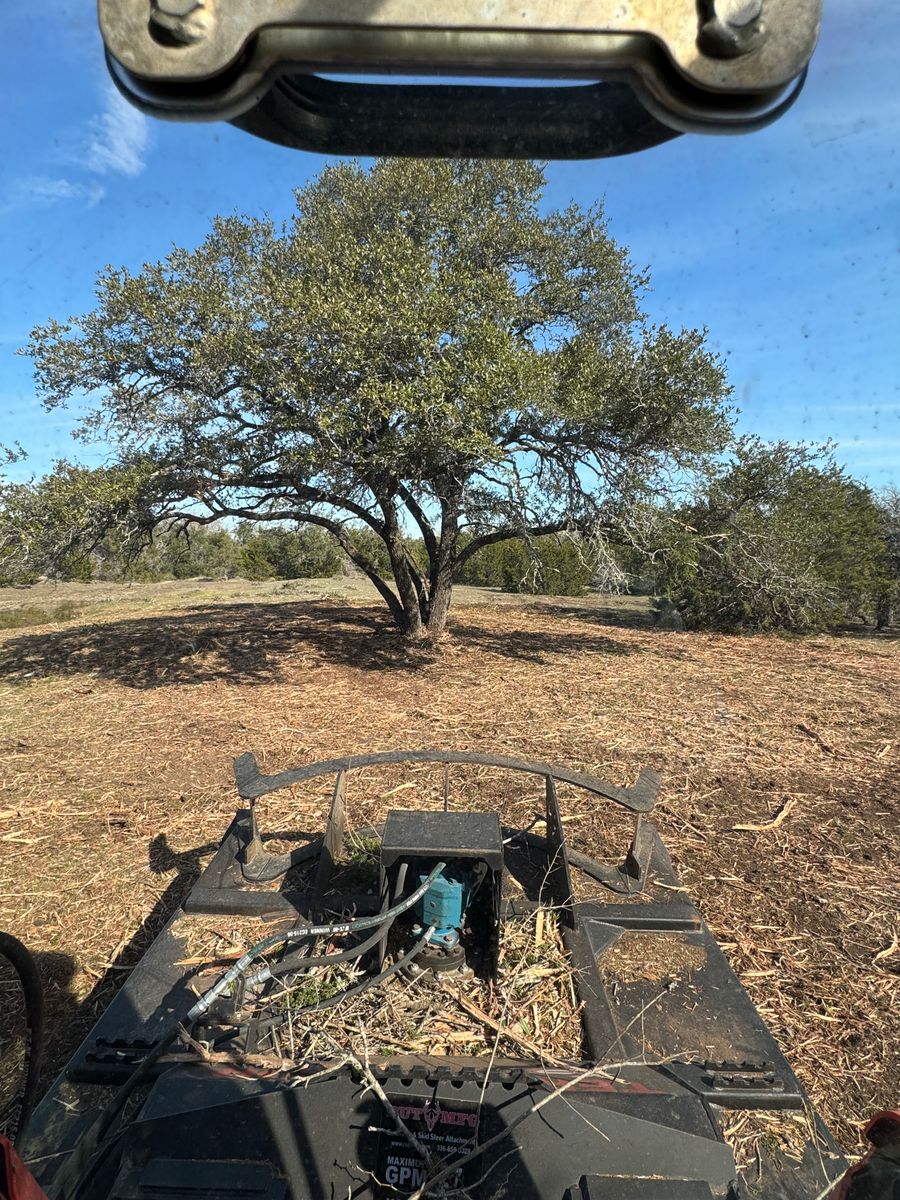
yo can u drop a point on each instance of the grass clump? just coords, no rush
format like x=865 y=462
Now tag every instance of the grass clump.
x=357 y=869
x=318 y=985
x=30 y=614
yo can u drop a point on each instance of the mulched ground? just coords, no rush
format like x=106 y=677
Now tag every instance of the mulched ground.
x=780 y=803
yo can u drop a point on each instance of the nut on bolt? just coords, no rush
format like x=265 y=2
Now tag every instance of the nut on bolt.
x=181 y=21
x=730 y=28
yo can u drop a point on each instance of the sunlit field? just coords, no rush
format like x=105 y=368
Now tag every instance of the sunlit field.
x=122 y=708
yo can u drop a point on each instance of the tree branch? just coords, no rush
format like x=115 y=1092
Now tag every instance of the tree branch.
x=421 y=519
x=335 y=528
x=505 y=534
x=314 y=495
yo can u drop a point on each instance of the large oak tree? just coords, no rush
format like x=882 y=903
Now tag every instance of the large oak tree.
x=422 y=349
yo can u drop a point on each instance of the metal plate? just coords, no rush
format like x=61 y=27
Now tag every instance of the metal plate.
x=213 y=34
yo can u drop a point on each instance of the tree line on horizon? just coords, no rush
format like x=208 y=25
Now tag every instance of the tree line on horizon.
x=427 y=375
x=825 y=551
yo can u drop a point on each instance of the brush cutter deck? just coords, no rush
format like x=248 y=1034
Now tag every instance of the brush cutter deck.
x=670 y=1039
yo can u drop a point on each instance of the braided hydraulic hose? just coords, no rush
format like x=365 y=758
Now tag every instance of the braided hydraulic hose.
x=294 y=963
x=301 y=934
x=364 y=985
x=100 y=1138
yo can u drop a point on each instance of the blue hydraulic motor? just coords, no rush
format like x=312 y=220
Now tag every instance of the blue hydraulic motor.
x=444 y=905
x=461 y=907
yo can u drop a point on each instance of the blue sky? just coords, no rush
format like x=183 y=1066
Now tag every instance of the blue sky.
x=784 y=243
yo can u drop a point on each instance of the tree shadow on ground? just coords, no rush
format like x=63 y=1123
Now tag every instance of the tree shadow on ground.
x=254 y=643
x=869 y=633
x=537 y=646
x=598 y=614
x=68 y=1019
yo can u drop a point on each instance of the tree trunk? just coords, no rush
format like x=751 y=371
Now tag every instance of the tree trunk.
x=395 y=607
x=439 y=602
x=883 y=612
x=411 y=625
x=443 y=566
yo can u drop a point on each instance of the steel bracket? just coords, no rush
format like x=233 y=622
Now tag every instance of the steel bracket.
x=718 y=65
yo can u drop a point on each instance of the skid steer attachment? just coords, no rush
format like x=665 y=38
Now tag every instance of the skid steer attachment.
x=384 y=1027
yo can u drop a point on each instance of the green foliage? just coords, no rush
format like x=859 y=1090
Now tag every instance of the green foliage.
x=203 y=551
x=38 y=521
x=321 y=983
x=888 y=598
x=54 y=525
x=366 y=542
x=254 y=563
x=563 y=568
x=357 y=870
x=420 y=345
x=77 y=567
x=781 y=539
x=304 y=553
x=547 y=566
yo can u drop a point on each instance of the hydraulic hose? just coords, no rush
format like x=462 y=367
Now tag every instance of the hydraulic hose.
x=295 y=963
x=101 y=1137
x=301 y=934
x=370 y=982
x=374 y=980
x=16 y=1115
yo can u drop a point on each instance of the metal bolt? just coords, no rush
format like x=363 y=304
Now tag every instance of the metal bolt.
x=182 y=21
x=730 y=28
x=738 y=13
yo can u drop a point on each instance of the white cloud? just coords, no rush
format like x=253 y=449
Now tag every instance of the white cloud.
x=113 y=143
x=46 y=190
x=117 y=138
x=43 y=191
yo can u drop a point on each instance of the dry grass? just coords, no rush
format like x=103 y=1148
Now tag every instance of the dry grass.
x=117 y=730
x=651 y=957
x=750 y=1134
x=532 y=1004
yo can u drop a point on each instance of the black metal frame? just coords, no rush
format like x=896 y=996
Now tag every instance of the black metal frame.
x=694 y=1040
x=258 y=866
x=599 y=120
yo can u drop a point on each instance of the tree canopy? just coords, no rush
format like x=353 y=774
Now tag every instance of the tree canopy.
x=56 y=523
x=421 y=348
x=889 y=594
x=781 y=538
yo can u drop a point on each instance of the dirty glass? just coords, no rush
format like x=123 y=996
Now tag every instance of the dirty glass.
x=585 y=462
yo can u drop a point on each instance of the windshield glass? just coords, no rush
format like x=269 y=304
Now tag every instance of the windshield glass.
x=586 y=461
